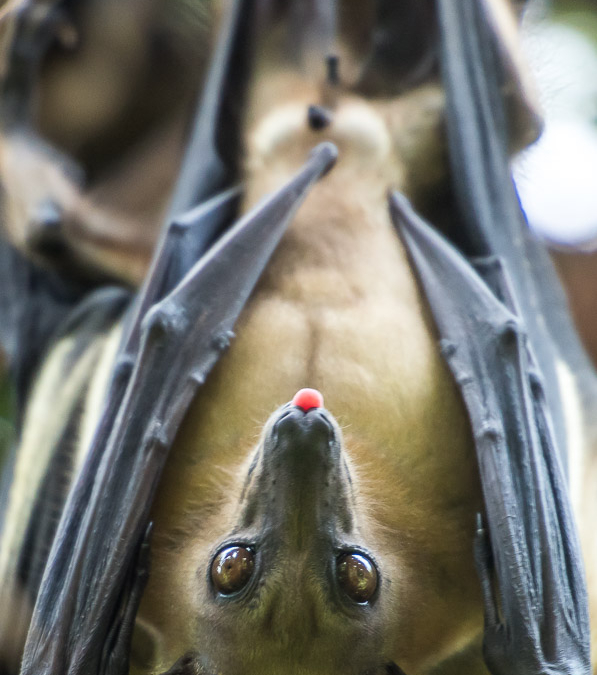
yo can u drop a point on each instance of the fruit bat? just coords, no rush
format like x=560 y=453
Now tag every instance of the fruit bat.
x=310 y=566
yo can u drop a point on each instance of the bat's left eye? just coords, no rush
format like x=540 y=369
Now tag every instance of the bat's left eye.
x=232 y=568
x=357 y=576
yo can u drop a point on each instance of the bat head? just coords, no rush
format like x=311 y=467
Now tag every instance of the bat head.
x=383 y=49
x=293 y=586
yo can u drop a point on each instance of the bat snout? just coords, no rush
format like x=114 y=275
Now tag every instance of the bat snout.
x=309 y=434
x=297 y=493
x=295 y=567
x=302 y=458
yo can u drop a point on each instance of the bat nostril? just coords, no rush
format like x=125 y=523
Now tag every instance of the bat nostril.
x=303 y=428
x=306 y=399
x=318 y=117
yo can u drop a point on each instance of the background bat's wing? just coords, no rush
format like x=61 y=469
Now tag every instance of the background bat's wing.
x=540 y=624
x=477 y=79
x=93 y=317
x=82 y=619
x=33 y=302
x=37 y=472
x=211 y=157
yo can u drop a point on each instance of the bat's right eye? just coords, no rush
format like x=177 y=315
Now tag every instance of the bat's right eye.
x=357 y=576
x=232 y=568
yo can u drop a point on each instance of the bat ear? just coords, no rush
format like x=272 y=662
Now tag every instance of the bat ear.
x=145 y=644
x=520 y=94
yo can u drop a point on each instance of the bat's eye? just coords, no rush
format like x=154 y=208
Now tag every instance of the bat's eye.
x=357 y=576
x=232 y=568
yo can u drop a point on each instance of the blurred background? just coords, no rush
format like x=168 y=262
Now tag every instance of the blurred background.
x=557 y=176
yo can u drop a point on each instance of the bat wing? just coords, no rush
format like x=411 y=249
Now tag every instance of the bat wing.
x=213 y=146
x=489 y=219
x=87 y=602
x=502 y=327
x=541 y=625
x=35 y=307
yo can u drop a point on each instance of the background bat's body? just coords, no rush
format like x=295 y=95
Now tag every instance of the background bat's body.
x=338 y=308
x=112 y=103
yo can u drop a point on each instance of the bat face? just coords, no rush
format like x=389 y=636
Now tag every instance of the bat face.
x=311 y=553
x=293 y=577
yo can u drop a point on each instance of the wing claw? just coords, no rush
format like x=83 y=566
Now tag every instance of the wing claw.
x=485 y=567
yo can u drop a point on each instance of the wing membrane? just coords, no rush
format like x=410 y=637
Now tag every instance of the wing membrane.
x=540 y=624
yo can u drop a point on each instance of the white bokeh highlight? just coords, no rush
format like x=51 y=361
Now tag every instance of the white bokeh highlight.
x=557 y=176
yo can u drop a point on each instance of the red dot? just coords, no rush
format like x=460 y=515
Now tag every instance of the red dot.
x=307 y=399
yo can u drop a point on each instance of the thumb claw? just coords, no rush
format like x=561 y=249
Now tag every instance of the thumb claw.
x=484 y=565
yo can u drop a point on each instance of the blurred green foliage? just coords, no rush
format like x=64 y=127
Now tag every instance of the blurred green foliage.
x=578 y=14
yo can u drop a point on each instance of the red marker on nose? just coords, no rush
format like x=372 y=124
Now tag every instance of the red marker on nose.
x=307 y=399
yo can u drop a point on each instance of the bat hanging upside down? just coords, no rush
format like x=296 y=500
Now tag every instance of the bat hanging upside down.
x=345 y=539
